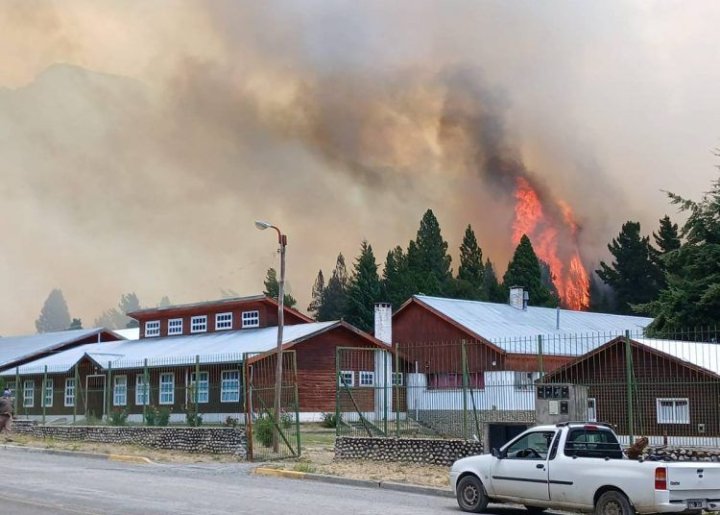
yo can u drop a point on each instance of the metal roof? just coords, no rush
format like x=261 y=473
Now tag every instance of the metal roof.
x=210 y=303
x=703 y=354
x=215 y=347
x=563 y=331
x=18 y=348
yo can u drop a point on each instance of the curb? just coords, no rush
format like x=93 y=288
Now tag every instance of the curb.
x=82 y=454
x=365 y=483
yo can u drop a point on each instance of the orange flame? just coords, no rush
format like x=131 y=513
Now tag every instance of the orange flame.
x=568 y=273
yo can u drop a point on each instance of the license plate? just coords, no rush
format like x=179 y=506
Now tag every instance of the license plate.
x=695 y=504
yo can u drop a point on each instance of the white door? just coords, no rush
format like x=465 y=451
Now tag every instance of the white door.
x=522 y=472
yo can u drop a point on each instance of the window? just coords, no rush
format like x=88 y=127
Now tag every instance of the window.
x=28 y=394
x=366 y=378
x=198 y=324
x=250 y=319
x=203 y=390
x=120 y=391
x=525 y=380
x=142 y=392
x=592 y=410
x=230 y=386
x=70 y=392
x=223 y=321
x=167 y=388
x=397 y=379
x=454 y=380
x=47 y=400
x=673 y=411
x=152 y=328
x=347 y=378
x=532 y=446
x=592 y=443
x=175 y=326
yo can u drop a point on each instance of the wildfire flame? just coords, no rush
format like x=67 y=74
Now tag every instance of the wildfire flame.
x=568 y=273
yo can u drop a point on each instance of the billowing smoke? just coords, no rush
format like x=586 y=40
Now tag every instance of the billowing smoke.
x=139 y=141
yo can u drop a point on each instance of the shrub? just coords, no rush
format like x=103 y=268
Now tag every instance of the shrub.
x=231 y=421
x=163 y=418
x=193 y=419
x=263 y=427
x=151 y=415
x=118 y=417
x=330 y=420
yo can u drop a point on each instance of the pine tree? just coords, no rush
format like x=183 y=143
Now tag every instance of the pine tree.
x=317 y=292
x=492 y=290
x=667 y=240
x=397 y=283
x=334 y=297
x=633 y=276
x=75 y=324
x=364 y=290
x=428 y=260
x=164 y=302
x=272 y=289
x=546 y=279
x=116 y=318
x=470 y=278
x=54 y=315
x=524 y=270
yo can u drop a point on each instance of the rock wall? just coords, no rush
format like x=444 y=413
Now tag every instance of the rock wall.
x=682 y=454
x=414 y=450
x=206 y=440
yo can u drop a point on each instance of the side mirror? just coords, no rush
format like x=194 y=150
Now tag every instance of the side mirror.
x=497 y=454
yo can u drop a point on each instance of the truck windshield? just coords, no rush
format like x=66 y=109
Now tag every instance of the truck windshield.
x=532 y=446
x=592 y=443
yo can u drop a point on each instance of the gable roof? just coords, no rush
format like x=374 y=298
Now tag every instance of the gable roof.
x=19 y=349
x=515 y=330
x=213 y=347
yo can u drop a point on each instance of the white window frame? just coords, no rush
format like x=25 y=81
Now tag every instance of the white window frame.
x=525 y=381
x=203 y=394
x=167 y=395
x=175 y=326
x=223 y=321
x=398 y=379
x=344 y=376
x=142 y=391
x=675 y=402
x=228 y=391
x=69 y=392
x=48 y=384
x=152 y=329
x=250 y=319
x=119 y=390
x=198 y=324
x=366 y=378
x=29 y=393
x=592 y=411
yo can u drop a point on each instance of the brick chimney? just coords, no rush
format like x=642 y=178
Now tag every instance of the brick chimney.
x=383 y=322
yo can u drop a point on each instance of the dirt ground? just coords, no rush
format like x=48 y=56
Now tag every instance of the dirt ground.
x=317 y=456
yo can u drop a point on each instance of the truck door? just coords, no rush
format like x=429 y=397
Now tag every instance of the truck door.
x=522 y=472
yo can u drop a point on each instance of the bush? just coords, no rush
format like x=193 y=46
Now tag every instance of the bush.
x=192 y=419
x=151 y=414
x=118 y=417
x=157 y=416
x=263 y=427
x=330 y=420
x=163 y=418
x=231 y=421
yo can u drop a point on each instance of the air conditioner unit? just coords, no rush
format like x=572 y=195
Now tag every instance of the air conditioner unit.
x=555 y=403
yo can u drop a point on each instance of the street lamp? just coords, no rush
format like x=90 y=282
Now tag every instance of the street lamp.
x=282 y=241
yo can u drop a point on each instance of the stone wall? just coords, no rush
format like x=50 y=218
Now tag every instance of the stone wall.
x=415 y=450
x=207 y=440
x=682 y=454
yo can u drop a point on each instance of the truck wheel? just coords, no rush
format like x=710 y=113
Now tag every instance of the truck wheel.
x=535 y=510
x=613 y=503
x=471 y=495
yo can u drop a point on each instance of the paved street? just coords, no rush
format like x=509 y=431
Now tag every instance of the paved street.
x=41 y=483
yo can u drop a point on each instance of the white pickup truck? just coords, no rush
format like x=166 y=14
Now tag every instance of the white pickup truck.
x=581 y=467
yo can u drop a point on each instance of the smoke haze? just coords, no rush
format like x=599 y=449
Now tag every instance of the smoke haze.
x=139 y=141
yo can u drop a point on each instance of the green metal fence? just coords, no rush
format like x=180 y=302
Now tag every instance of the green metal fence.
x=663 y=386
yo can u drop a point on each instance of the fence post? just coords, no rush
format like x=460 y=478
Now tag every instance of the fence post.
x=146 y=390
x=197 y=388
x=76 y=379
x=385 y=389
x=19 y=392
x=43 y=395
x=629 y=381
x=337 y=391
x=540 y=355
x=108 y=392
x=297 y=404
x=397 y=393
x=465 y=387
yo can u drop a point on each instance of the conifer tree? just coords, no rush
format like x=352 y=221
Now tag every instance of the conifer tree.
x=397 y=283
x=334 y=297
x=524 y=270
x=633 y=275
x=272 y=289
x=492 y=290
x=75 y=324
x=428 y=260
x=316 y=295
x=469 y=283
x=54 y=315
x=364 y=290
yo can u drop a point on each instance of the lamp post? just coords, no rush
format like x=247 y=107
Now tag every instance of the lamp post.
x=282 y=241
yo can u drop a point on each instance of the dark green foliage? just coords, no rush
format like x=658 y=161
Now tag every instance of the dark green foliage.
x=546 y=279
x=471 y=272
x=428 y=260
x=524 y=270
x=272 y=289
x=75 y=324
x=334 y=297
x=115 y=318
x=157 y=416
x=667 y=238
x=601 y=296
x=163 y=417
x=397 y=284
x=263 y=427
x=492 y=291
x=364 y=290
x=54 y=315
x=633 y=276
x=118 y=417
x=330 y=420
x=317 y=293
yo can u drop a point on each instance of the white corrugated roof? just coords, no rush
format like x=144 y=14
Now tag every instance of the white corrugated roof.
x=702 y=354
x=215 y=347
x=516 y=330
x=16 y=348
x=132 y=333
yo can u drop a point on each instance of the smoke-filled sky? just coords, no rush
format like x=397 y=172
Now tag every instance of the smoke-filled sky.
x=140 y=140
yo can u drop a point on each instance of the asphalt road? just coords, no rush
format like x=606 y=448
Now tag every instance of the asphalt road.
x=37 y=483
